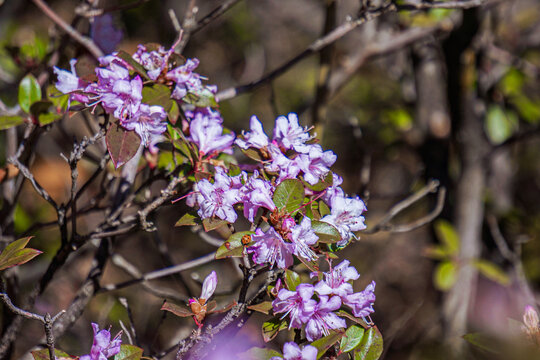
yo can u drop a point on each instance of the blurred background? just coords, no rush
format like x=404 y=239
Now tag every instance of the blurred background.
x=410 y=96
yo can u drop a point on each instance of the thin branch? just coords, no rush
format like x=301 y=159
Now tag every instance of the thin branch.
x=28 y=175
x=81 y=39
x=214 y=14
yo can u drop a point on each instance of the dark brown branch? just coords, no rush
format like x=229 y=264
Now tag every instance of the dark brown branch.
x=214 y=14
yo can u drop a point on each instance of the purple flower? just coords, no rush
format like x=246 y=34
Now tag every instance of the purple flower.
x=270 y=248
x=69 y=82
x=291 y=351
x=362 y=302
x=346 y=216
x=297 y=304
x=334 y=190
x=315 y=163
x=105 y=34
x=290 y=135
x=103 y=347
x=254 y=194
x=256 y=138
x=279 y=163
x=217 y=199
x=336 y=282
x=154 y=61
x=209 y=286
x=148 y=123
x=303 y=237
x=323 y=319
x=207 y=134
x=186 y=80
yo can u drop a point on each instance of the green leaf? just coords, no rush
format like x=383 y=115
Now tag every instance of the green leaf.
x=292 y=279
x=121 y=144
x=210 y=224
x=48 y=118
x=43 y=354
x=173 y=113
x=327 y=233
x=500 y=124
x=271 y=328
x=233 y=247
x=256 y=353
x=158 y=94
x=16 y=253
x=436 y=252
x=289 y=195
x=129 y=352
x=7 y=122
x=481 y=341
x=371 y=346
x=252 y=154
x=265 y=307
x=59 y=100
x=177 y=310
x=29 y=92
x=135 y=65
x=352 y=338
x=448 y=236
x=188 y=220
x=323 y=184
x=325 y=343
x=323 y=208
x=204 y=98
x=445 y=275
x=492 y=271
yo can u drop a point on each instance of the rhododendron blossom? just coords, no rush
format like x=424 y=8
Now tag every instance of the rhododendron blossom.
x=103 y=347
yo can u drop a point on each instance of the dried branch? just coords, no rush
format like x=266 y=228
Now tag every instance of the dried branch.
x=214 y=14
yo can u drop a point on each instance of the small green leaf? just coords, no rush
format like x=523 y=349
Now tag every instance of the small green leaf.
x=445 y=275
x=43 y=354
x=448 y=236
x=59 y=100
x=256 y=353
x=252 y=154
x=203 y=98
x=135 y=65
x=500 y=124
x=327 y=233
x=177 y=310
x=48 y=118
x=322 y=184
x=29 y=92
x=158 y=94
x=492 y=271
x=371 y=346
x=481 y=341
x=129 y=352
x=325 y=343
x=188 y=219
x=210 y=224
x=289 y=194
x=352 y=338
x=323 y=208
x=271 y=328
x=265 y=307
x=233 y=247
x=16 y=253
x=173 y=113
x=7 y=122
x=292 y=279
x=436 y=252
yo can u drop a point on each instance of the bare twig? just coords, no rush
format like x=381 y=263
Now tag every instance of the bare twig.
x=214 y=14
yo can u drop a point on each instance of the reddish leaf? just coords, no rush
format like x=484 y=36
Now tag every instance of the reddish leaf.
x=43 y=354
x=122 y=144
x=177 y=310
x=265 y=307
x=16 y=253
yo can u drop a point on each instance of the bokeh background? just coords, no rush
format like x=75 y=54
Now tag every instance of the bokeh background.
x=460 y=104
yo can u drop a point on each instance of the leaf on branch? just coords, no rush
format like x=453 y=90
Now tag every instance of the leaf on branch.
x=233 y=247
x=29 y=92
x=177 y=310
x=210 y=224
x=158 y=94
x=482 y=341
x=352 y=338
x=325 y=343
x=326 y=232
x=322 y=184
x=371 y=346
x=445 y=275
x=139 y=69
x=448 y=236
x=121 y=144
x=292 y=279
x=359 y=321
x=265 y=307
x=188 y=219
x=129 y=352
x=204 y=98
x=256 y=353
x=16 y=253
x=492 y=271
x=289 y=194
x=272 y=327
x=43 y=354
x=7 y=122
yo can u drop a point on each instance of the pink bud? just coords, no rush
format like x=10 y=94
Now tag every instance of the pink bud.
x=209 y=286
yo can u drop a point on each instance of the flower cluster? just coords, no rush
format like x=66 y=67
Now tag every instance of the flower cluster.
x=103 y=347
x=118 y=87
x=332 y=292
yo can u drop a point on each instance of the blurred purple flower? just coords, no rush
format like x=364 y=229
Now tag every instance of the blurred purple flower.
x=103 y=347
x=315 y=163
x=334 y=190
x=297 y=304
x=149 y=123
x=105 y=34
x=270 y=248
x=186 y=80
x=217 y=199
x=323 y=319
x=206 y=132
x=68 y=82
x=346 y=215
x=254 y=194
x=291 y=351
x=256 y=138
x=362 y=302
x=303 y=237
x=290 y=135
